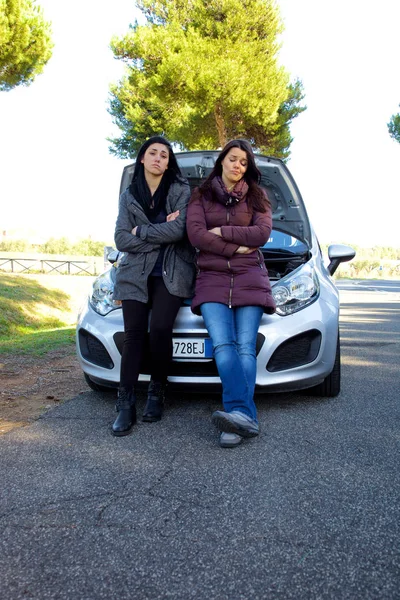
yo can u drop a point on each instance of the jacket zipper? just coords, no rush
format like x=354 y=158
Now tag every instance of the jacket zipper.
x=228 y=214
x=172 y=269
x=144 y=264
x=230 y=292
x=260 y=259
x=230 y=287
x=164 y=270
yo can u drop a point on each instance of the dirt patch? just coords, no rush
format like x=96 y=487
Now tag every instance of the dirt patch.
x=29 y=386
x=32 y=385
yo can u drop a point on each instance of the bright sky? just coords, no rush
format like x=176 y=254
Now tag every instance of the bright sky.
x=58 y=178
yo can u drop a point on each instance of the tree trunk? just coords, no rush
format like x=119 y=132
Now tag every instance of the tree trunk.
x=220 y=123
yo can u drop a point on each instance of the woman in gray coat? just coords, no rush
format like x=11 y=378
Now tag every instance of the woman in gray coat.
x=155 y=274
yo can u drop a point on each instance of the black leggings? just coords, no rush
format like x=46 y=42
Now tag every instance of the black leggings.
x=164 y=308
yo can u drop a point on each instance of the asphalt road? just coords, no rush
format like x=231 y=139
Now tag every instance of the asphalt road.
x=309 y=510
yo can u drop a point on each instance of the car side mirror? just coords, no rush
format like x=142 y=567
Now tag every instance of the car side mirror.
x=339 y=253
x=113 y=256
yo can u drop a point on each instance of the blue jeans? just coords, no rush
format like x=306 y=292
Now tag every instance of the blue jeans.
x=234 y=334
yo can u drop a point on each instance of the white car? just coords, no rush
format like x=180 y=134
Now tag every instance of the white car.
x=298 y=347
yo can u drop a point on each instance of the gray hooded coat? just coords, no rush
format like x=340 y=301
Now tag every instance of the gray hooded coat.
x=141 y=253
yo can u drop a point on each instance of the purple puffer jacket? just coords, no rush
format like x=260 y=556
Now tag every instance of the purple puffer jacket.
x=222 y=275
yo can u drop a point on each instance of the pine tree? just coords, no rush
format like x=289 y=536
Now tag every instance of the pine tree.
x=25 y=43
x=394 y=127
x=203 y=72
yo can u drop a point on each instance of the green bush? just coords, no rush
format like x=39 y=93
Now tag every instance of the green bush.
x=14 y=246
x=56 y=246
x=88 y=248
x=63 y=246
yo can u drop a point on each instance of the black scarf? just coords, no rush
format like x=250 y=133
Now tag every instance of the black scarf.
x=152 y=204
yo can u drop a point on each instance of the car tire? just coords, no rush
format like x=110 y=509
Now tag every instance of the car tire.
x=95 y=386
x=330 y=387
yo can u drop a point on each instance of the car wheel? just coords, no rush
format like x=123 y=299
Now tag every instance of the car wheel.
x=330 y=387
x=95 y=386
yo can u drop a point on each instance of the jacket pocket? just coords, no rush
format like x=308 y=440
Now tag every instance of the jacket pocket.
x=136 y=261
x=186 y=252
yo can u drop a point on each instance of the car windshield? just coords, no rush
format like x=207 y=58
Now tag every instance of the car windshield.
x=279 y=241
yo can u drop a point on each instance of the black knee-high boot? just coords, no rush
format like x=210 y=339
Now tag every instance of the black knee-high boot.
x=126 y=408
x=155 y=402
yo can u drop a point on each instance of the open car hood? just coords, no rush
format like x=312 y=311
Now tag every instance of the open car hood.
x=288 y=210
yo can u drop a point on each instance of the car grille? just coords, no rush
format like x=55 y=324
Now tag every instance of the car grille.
x=93 y=350
x=182 y=368
x=295 y=352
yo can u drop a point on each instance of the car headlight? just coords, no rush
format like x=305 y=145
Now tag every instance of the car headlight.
x=101 y=299
x=296 y=291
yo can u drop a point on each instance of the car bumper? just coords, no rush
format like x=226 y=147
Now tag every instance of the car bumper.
x=290 y=355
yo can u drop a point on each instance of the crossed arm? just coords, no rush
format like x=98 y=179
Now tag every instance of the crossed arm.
x=124 y=240
x=252 y=236
x=228 y=239
x=201 y=237
x=173 y=229
x=149 y=237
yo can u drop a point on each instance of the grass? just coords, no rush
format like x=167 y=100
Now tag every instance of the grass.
x=33 y=319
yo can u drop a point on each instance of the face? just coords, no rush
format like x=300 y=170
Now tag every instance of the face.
x=155 y=160
x=234 y=166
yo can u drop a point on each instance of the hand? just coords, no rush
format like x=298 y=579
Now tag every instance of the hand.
x=172 y=216
x=133 y=232
x=245 y=250
x=216 y=231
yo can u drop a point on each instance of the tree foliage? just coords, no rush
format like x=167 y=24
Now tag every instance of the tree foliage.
x=394 y=127
x=203 y=72
x=25 y=42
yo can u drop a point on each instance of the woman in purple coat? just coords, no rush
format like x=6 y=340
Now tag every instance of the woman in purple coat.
x=229 y=217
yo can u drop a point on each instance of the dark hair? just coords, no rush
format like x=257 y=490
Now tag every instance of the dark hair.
x=173 y=172
x=257 y=198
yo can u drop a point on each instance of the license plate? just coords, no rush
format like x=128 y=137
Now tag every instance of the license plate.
x=192 y=348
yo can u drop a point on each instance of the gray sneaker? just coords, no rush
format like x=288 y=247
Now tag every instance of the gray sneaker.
x=235 y=422
x=229 y=440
